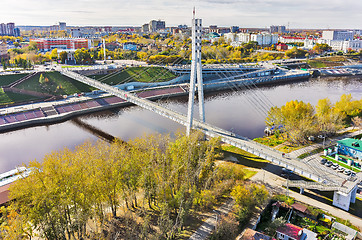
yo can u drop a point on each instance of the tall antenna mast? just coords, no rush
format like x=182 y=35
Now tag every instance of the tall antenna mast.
x=196 y=73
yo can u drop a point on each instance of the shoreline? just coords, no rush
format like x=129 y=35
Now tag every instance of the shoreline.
x=48 y=113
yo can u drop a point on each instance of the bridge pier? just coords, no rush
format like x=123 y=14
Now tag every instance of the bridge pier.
x=343 y=200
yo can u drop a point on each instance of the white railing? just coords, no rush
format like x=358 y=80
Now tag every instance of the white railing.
x=210 y=130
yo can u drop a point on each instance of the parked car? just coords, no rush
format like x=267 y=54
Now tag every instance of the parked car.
x=335 y=166
x=340 y=169
x=329 y=163
x=323 y=161
x=347 y=172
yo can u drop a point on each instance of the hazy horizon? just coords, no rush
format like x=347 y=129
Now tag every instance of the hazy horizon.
x=307 y=14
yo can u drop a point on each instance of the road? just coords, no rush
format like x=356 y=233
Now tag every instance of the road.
x=274 y=182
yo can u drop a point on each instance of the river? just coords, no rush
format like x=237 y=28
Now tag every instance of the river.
x=240 y=111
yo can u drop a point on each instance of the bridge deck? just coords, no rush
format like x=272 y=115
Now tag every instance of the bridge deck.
x=274 y=156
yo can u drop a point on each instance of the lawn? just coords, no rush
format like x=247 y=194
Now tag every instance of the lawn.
x=58 y=84
x=270 y=141
x=327 y=62
x=10 y=98
x=244 y=158
x=7 y=79
x=136 y=74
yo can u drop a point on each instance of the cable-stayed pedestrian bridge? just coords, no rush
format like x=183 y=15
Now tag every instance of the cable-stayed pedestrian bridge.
x=274 y=156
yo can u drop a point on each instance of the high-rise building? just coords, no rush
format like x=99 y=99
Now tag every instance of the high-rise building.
x=7 y=29
x=62 y=26
x=154 y=25
x=2 y=29
x=10 y=29
x=16 y=32
x=277 y=29
x=145 y=27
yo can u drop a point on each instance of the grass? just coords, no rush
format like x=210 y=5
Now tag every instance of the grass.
x=341 y=164
x=138 y=74
x=270 y=141
x=10 y=98
x=7 y=79
x=327 y=62
x=244 y=158
x=58 y=85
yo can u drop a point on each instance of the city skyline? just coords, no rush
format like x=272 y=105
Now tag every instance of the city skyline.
x=259 y=13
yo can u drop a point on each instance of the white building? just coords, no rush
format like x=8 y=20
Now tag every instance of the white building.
x=343 y=45
x=338 y=35
x=262 y=39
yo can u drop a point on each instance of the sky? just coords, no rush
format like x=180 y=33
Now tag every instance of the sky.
x=326 y=14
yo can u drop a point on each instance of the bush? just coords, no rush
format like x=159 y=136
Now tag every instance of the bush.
x=226 y=228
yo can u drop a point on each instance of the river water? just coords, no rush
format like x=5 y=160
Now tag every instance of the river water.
x=240 y=111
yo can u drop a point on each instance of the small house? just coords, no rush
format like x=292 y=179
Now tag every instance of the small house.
x=292 y=232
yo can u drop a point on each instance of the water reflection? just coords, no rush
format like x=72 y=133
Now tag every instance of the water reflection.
x=239 y=112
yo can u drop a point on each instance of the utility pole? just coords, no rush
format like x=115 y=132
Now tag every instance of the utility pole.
x=196 y=73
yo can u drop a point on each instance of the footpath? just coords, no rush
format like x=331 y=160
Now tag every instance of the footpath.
x=210 y=224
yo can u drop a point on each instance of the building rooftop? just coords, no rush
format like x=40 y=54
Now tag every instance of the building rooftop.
x=300 y=207
x=291 y=231
x=250 y=234
x=352 y=143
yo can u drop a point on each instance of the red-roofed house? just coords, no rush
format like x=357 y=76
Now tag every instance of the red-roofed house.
x=292 y=232
x=282 y=47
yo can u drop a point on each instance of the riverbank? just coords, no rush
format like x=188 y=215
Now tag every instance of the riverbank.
x=44 y=113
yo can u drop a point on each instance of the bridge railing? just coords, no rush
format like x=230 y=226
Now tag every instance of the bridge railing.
x=210 y=130
x=312 y=185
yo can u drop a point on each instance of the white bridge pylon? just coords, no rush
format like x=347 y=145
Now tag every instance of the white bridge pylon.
x=196 y=73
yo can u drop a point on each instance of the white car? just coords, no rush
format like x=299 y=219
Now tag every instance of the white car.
x=334 y=166
x=340 y=169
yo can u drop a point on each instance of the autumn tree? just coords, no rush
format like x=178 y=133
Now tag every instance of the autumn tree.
x=63 y=56
x=41 y=79
x=329 y=121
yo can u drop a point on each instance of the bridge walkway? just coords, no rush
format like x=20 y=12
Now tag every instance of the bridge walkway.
x=274 y=156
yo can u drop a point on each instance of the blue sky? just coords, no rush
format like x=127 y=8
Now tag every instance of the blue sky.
x=243 y=13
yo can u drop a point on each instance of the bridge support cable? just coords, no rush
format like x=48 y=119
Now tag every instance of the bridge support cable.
x=258 y=102
x=212 y=131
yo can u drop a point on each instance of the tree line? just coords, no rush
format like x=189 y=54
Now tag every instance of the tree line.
x=301 y=120
x=88 y=192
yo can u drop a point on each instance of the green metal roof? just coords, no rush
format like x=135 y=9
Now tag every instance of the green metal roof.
x=349 y=141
